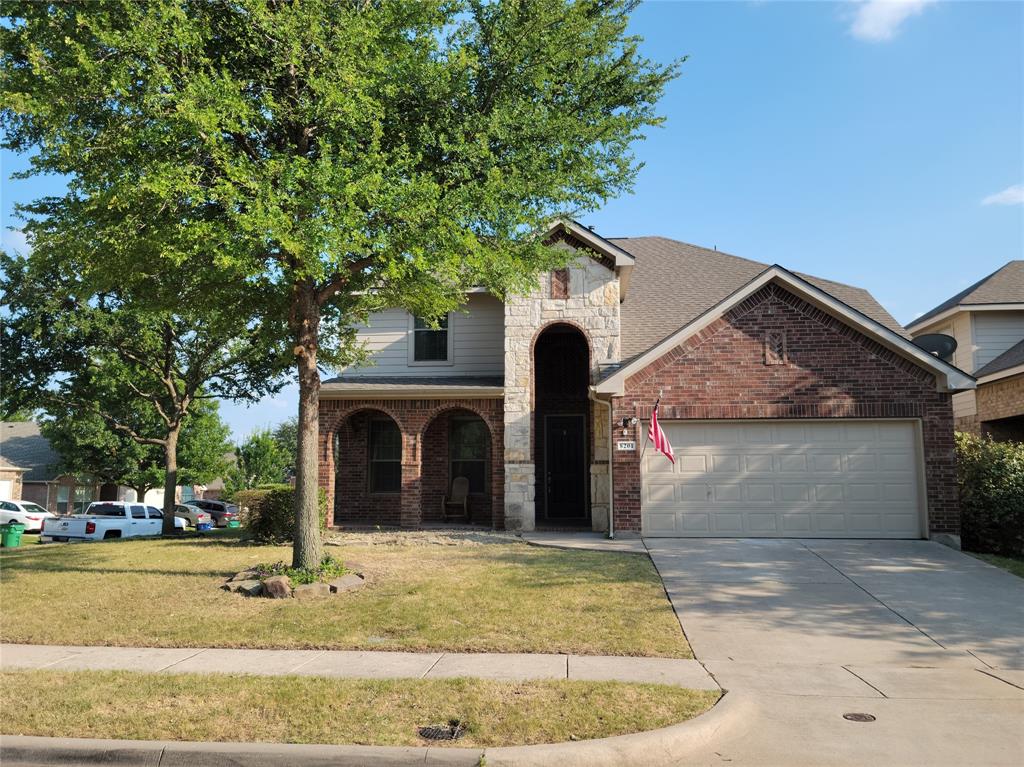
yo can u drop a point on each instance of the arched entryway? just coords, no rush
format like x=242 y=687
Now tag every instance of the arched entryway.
x=561 y=359
x=457 y=443
x=368 y=469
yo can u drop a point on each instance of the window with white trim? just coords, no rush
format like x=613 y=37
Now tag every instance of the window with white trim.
x=430 y=343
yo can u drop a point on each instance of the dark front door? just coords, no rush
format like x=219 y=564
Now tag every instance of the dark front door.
x=565 y=479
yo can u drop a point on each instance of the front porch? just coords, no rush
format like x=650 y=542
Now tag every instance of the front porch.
x=391 y=462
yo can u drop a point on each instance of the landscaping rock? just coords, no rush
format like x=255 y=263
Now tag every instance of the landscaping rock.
x=277 y=587
x=249 y=588
x=245 y=575
x=349 y=582
x=311 y=591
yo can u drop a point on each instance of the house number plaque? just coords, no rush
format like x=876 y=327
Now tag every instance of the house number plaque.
x=626 y=445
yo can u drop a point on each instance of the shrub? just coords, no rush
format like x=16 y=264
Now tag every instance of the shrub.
x=328 y=569
x=991 y=479
x=269 y=514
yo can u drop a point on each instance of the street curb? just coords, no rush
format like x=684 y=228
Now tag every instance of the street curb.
x=655 y=748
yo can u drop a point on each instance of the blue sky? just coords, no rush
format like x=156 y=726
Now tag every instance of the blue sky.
x=875 y=143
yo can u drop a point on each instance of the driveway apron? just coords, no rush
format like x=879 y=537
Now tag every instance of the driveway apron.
x=925 y=639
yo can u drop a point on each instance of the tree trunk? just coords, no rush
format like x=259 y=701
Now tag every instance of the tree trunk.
x=170 y=479
x=140 y=493
x=307 y=550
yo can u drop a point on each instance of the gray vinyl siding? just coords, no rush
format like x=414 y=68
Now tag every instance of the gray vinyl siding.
x=478 y=342
x=994 y=333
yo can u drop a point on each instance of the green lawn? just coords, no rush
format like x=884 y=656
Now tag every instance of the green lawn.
x=200 y=707
x=497 y=597
x=1013 y=565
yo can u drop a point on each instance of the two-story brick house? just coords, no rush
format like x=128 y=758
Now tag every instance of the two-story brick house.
x=987 y=321
x=797 y=406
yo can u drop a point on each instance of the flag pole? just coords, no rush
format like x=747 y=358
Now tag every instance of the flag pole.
x=643 y=450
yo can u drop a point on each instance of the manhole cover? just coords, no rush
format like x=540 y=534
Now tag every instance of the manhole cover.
x=451 y=731
x=859 y=717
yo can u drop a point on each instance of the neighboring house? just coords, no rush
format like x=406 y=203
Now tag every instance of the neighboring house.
x=987 y=321
x=798 y=407
x=10 y=480
x=22 y=444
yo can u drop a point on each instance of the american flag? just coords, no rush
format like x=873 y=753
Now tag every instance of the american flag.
x=657 y=436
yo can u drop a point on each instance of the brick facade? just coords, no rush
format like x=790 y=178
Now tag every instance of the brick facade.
x=997 y=401
x=424 y=457
x=830 y=371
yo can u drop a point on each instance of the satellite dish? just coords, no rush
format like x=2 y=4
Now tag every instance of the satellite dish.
x=939 y=344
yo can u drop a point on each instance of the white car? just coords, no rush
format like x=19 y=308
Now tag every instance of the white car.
x=31 y=515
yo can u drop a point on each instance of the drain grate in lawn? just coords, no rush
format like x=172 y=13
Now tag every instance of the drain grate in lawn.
x=451 y=731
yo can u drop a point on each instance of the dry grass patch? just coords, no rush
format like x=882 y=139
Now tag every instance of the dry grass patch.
x=493 y=595
x=195 y=707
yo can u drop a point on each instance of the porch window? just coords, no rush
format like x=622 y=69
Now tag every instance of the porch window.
x=385 y=456
x=467 y=450
x=430 y=344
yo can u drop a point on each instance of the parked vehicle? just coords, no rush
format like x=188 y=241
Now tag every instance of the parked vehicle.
x=221 y=511
x=192 y=515
x=104 y=520
x=31 y=515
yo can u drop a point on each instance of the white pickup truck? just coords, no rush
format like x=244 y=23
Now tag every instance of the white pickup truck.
x=104 y=520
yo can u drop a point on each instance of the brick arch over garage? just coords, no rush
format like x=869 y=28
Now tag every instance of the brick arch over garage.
x=412 y=417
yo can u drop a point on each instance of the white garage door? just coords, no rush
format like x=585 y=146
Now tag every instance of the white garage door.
x=788 y=479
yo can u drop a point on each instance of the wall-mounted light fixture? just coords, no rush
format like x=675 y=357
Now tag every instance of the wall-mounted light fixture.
x=627 y=421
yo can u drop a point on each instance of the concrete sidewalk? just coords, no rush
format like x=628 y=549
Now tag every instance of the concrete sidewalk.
x=358 y=664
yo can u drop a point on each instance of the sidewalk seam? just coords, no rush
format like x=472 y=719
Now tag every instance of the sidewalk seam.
x=432 y=665
x=319 y=655
x=182 y=660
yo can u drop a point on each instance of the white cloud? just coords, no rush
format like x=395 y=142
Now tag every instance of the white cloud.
x=1012 y=195
x=879 y=20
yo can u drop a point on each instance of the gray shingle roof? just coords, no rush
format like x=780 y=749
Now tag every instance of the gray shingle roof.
x=674 y=282
x=1011 y=358
x=1004 y=286
x=22 y=444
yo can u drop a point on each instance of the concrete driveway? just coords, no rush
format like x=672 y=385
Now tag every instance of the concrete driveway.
x=926 y=639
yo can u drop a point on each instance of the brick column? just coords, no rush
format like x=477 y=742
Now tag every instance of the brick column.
x=412 y=490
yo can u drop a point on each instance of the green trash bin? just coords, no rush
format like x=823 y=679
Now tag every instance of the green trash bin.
x=10 y=535
x=234 y=524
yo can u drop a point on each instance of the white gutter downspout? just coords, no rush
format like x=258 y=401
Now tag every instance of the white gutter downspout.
x=611 y=486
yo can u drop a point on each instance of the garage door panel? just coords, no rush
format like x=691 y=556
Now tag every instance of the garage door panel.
x=786 y=479
x=686 y=464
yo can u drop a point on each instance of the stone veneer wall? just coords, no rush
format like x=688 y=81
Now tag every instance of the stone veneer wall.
x=593 y=307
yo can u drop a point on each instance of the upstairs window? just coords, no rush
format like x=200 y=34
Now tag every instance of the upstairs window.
x=385 y=456
x=430 y=344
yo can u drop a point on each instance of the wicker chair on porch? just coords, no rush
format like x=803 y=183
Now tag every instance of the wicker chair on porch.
x=459 y=498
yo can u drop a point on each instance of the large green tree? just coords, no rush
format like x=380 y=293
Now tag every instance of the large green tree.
x=348 y=154
x=87 y=445
x=141 y=368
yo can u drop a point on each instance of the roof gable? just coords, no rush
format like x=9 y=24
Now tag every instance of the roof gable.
x=674 y=282
x=948 y=376
x=1004 y=286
